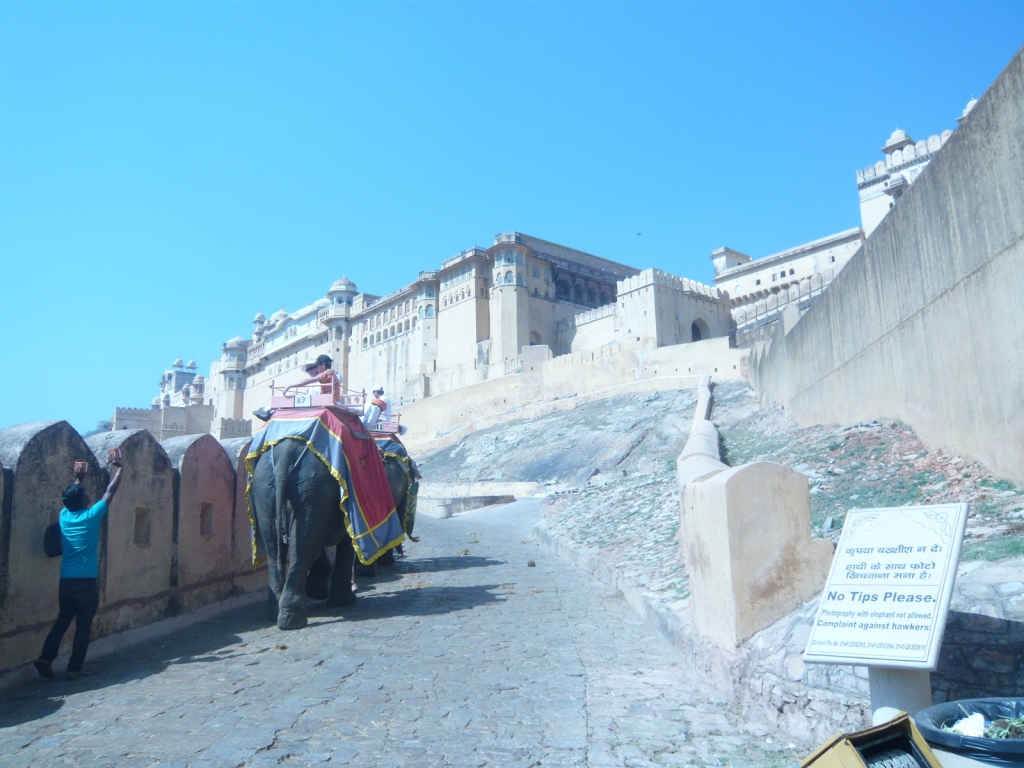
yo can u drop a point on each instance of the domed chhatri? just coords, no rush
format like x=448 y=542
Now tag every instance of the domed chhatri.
x=235 y=341
x=898 y=140
x=343 y=285
x=192 y=364
x=260 y=318
x=178 y=363
x=967 y=110
x=277 y=317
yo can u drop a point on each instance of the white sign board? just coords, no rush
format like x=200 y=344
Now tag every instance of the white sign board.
x=887 y=595
x=303 y=401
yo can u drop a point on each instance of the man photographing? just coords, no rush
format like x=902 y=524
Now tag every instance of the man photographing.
x=80 y=522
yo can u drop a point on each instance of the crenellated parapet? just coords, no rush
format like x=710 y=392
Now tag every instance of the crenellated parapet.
x=901 y=158
x=767 y=308
x=652 y=277
x=175 y=537
x=591 y=315
x=137 y=413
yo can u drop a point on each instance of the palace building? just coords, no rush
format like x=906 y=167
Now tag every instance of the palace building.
x=468 y=321
x=464 y=323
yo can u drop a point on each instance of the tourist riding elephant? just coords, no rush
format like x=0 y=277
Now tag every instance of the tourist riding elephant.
x=295 y=503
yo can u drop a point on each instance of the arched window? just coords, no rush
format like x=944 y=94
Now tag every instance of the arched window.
x=407 y=325
x=534 y=338
x=378 y=337
x=509 y=278
x=699 y=330
x=430 y=310
x=364 y=342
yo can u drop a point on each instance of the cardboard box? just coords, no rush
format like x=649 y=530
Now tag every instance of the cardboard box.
x=858 y=750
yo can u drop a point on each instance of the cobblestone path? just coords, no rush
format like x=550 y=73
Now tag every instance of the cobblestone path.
x=463 y=657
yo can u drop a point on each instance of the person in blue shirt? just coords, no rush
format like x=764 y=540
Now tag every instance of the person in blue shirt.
x=80 y=522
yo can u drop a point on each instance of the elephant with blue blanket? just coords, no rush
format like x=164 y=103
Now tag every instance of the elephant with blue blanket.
x=295 y=504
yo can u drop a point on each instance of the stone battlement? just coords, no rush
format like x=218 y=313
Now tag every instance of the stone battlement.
x=652 y=276
x=768 y=307
x=137 y=413
x=177 y=532
x=591 y=315
x=901 y=158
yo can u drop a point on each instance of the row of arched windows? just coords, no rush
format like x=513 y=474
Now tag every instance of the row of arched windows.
x=465 y=293
x=387 y=316
x=389 y=333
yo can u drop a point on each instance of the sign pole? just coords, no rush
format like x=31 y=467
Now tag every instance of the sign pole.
x=909 y=690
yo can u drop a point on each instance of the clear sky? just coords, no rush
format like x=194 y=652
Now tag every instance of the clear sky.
x=169 y=169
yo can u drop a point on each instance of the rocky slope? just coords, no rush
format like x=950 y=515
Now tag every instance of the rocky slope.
x=610 y=467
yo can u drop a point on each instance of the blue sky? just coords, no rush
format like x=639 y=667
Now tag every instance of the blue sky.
x=169 y=169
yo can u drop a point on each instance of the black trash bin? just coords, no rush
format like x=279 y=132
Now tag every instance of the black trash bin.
x=1004 y=752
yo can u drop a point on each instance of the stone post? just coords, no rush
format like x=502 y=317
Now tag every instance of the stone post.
x=206 y=498
x=748 y=549
x=39 y=462
x=140 y=522
x=241 y=527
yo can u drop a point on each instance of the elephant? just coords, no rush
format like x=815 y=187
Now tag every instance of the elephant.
x=295 y=503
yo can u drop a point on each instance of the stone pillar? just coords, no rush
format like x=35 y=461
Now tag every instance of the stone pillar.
x=206 y=500
x=140 y=523
x=241 y=527
x=748 y=549
x=39 y=464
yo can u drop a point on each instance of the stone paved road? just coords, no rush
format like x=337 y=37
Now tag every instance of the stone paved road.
x=464 y=657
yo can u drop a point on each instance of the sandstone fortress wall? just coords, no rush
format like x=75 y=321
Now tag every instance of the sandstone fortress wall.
x=176 y=538
x=923 y=324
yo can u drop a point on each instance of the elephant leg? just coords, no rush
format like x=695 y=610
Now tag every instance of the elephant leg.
x=272 y=607
x=319 y=576
x=293 y=597
x=341 y=579
x=369 y=571
x=387 y=559
x=275 y=576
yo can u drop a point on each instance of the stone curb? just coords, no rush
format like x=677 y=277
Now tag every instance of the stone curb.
x=715 y=666
x=105 y=646
x=754 y=677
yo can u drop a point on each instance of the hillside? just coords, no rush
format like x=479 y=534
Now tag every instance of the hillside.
x=618 y=455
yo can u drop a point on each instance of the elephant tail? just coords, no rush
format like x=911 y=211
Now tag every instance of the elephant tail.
x=282 y=472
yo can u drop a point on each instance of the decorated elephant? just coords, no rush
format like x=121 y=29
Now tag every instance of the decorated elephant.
x=294 y=498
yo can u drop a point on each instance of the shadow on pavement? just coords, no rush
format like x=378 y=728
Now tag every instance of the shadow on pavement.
x=454 y=563
x=418 y=601
x=208 y=641
x=199 y=643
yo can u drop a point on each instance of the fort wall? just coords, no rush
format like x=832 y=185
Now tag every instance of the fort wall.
x=605 y=370
x=157 y=558
x=923 y=323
